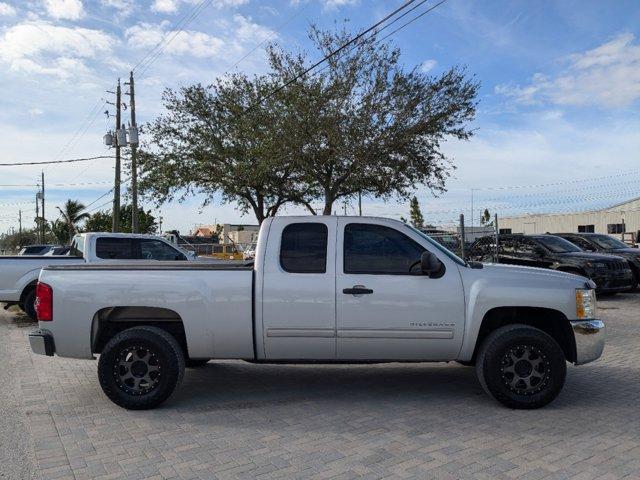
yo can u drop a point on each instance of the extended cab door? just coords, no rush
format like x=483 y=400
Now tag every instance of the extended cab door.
x=387 y=310
x=298 y=289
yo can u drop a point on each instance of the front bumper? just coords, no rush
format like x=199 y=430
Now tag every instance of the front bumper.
x=589 y=336
x=42 y=343
x=613 y=282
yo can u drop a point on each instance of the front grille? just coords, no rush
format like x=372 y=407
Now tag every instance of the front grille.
x=617 y=265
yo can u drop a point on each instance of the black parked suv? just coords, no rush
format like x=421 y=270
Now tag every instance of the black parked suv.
x=610 y=273
x=599 y=242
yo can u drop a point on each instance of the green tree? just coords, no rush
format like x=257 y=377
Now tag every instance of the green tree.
x=485 y=219
x=71 y=214
x=60 y=231
x=362 y=124
x=417 y=219
x=365 y=123
x=11 y=242
x=210 y=141
x=102 y=221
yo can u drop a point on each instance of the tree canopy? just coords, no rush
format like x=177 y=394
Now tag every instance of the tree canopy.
x=361 y=124
x=102 y=221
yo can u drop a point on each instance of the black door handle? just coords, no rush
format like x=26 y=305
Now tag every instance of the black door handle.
x=357 y=291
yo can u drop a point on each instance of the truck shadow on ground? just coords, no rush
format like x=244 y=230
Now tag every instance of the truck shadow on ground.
x=230 y=386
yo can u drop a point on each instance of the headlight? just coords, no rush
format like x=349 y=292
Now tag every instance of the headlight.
x=585 y=303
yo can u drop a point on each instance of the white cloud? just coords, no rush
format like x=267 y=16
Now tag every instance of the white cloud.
x=428 y=65
x=43 y=48
x=124 y=7
x=333 y=4
x=165 y=6
x=64 y=9
x=188 y=42
x=329 y=4
x=242 y=31
x=6 y=10
x=172 y=6
x=606 y=76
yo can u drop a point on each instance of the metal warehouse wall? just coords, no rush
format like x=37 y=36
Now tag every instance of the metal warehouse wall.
x=629 y=214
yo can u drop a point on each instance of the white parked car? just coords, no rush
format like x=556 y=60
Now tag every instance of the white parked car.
x=321 y=289
x=19 y=274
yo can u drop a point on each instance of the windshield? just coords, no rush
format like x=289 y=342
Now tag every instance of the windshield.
x=557 y=244
x=439 y=247
x=607 y=242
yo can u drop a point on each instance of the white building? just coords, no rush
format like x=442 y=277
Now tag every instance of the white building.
x=622 y=219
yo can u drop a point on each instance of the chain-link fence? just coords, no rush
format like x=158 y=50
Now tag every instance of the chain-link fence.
x=472 y=243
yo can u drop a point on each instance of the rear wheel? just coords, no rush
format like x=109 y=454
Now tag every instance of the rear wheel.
x=522 y=367
x=28 y=305
x=140 y=367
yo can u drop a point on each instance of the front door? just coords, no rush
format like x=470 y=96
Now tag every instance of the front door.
x=386 y=309
x=298 y=308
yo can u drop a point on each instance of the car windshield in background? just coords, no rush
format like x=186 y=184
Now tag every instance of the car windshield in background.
x=439 y=246
x=607 y=242
x=557 y=244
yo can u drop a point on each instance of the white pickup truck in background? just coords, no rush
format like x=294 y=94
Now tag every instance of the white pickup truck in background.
x=19 y=273
x=322 y=289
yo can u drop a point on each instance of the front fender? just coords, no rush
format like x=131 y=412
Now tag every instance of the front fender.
x=502 y=286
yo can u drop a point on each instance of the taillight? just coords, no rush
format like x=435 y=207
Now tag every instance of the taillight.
x=44 y=302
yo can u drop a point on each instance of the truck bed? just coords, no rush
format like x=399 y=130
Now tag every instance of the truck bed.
x=156 y=265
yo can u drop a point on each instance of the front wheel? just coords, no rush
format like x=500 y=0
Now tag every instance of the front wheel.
x=140 y=367
x=521 y=367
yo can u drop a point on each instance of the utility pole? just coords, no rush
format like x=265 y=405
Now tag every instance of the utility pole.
x=20 y=228
x=133 y=142
x=116 y=186
x=360 y=202
x=38 y=212
x=43 y=217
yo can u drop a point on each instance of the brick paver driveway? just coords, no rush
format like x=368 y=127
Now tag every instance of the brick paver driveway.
x=238 y=420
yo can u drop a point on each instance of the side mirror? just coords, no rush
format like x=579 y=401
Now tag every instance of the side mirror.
x=430 y=265
x=541 y=252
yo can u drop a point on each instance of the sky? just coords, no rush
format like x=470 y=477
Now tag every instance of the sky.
x=557 y=127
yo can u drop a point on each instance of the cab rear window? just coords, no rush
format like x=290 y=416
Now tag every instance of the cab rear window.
x=114 y=248
x=303 y=248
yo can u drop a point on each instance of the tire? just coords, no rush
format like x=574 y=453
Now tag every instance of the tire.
x=28 y=305
x=196 y=362
x=636 y=280
x=140 y=367
x=521 y=367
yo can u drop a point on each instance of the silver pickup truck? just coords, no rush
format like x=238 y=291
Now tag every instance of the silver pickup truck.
x=322 y=289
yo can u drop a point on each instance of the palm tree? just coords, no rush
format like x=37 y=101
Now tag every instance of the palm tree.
x=72 y=215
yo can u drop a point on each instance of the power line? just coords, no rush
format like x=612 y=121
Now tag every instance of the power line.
x=391 y=23
x=148 y=60
x=49 y=162
x=76 y=184
x=413 y=19
x=331 y=54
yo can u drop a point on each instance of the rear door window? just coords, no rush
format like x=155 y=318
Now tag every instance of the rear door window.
x=114 y=248
x=303 y=248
